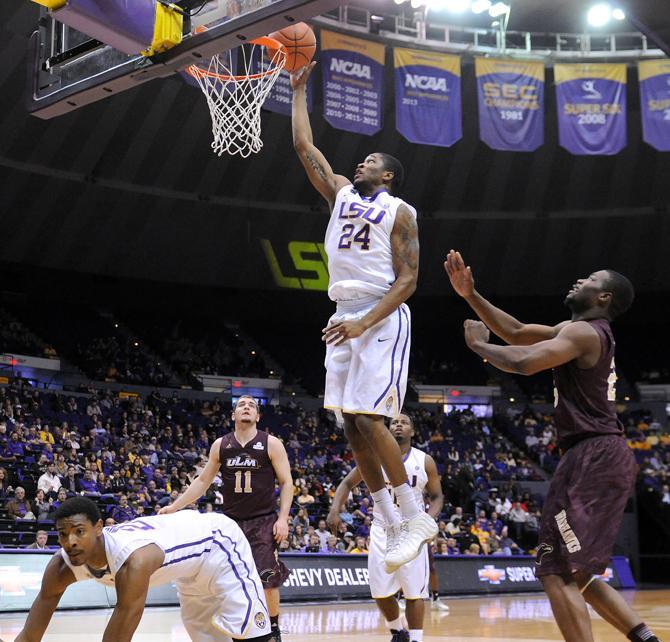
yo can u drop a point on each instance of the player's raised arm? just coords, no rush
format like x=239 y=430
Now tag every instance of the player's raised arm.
x=57 y=577
x=319 y=171
x=499 y=322
x=199 y=485
x=577 y=340
x=282 y=468
x=132 y=585
x=352 y=479
x=433 y=488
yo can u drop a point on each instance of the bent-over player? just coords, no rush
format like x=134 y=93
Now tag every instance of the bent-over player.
x=205 y=555
x=596 y=474
x=249 y=460
x=412 y=578
x=373 y=261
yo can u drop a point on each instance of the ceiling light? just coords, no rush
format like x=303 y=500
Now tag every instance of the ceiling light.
x=479 y=6
x=456 y=6
x=599 y=15
x=618 y=14
x=499 y=9
x=417 y=3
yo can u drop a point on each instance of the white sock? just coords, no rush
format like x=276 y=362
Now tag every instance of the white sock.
x=395 y=625
x=384 y=504
x=416 y=635
x=406 y=500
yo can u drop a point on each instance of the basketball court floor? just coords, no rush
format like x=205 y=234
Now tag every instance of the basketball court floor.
x=523 y=618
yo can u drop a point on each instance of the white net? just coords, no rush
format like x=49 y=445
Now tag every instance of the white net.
x=235 y=100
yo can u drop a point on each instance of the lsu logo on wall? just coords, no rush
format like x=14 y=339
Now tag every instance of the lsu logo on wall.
x=349 y=68
x=491 y=575
x=305 y=269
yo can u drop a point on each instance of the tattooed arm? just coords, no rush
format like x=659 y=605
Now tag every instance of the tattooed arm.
x=318 y=169
x=405 y=250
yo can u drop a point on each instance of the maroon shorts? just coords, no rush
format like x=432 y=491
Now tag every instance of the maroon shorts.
x=584 y=507
x=265 y=550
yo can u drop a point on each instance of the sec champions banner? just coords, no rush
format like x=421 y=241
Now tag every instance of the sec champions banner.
x=511 y=104
x=428 y=97
x=591 y=106
x=353 y=82
x=281 y=95
x=654 y=78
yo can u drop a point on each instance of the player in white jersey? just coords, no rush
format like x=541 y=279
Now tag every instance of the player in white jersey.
x=412 y=578
x=205 y=555
x=373 y=261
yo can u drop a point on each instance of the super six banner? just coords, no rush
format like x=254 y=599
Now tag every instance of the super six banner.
x=511 y=104
x=654 y=77
x=428 y=97
x=353 y=82
x=591 y=106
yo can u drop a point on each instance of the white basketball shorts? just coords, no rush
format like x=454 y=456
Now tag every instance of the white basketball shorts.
x=225 y=600
x=413 y=578
x=368 y=375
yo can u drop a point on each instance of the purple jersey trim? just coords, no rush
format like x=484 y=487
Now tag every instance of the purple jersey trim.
x=395 y=345
x=402 y=361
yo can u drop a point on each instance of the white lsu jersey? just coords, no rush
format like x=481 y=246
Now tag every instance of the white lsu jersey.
x=185 y=537
x=415 y=466
x=358 y=244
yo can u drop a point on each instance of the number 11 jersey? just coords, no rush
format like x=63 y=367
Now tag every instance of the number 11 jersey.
x=248 y=477
x=358 y=244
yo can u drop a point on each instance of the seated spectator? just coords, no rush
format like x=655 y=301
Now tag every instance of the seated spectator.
x=363 y=530
x=297 y=538
x=518 y=517
x=507 y=545
x=442 y=532
x=454 y=527
x=19 y=507
x=62 y=496
x=474 y=549
x=349 y=542
x=70 y=481
x=88 y=485
x=323 y=533
x=305 y=499
x=452 y=547
x=5 y=486
x=301 y=518
x=314 y=545
x=40 y=542
x=441 y=547
x=360 y=547
x=49 y=482
x=123 y=512
x=333 y=546
x=42 y=506
x=665 y=494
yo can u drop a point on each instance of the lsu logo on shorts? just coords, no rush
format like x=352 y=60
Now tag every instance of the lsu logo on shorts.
x=260 y=620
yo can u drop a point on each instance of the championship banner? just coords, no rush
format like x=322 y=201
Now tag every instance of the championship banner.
x=281 y=95
x=353 y=82
x=428 y=97
x=591 y=106
x=511 y=104
x=654 y=78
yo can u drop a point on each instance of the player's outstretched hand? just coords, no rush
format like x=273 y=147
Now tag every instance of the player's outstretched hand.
x=166 y=510
x=339 y=332
x=460 y=276
x=280 y=530
x=475 y=332
x=333 y=521
x=299 y=77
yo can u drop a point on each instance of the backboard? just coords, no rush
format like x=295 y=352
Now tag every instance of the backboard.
x=69 y=69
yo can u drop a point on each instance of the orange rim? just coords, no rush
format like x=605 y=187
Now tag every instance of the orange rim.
x=263 y=41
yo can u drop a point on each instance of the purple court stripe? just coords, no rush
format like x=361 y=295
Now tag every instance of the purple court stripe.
x=176 y=548
x=244 y=587
x=402 y=360
x=395 y=345
x=246 y=568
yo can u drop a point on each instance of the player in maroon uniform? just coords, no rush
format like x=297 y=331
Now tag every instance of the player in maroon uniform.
x=596 y=475
x=249 y=461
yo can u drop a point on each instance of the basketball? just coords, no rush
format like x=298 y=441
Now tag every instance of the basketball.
x=300 y=44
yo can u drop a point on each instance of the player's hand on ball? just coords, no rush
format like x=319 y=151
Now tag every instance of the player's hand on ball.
x=299 y=77
x=340 y=332
x=460 y=276
x=280 y=530
x=475 y=332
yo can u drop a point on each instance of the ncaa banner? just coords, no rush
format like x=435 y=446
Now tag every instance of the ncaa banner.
x=353 y=82
x=591 y=106
x=428 y=97
x=281 y=95
x=654 y=78
x=511 y=104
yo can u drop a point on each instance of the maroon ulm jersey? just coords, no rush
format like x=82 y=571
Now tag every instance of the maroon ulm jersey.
x=248 y=477
x=584 y=398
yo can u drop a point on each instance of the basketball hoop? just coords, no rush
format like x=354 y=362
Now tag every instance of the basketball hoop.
x=235 y=100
